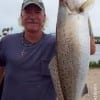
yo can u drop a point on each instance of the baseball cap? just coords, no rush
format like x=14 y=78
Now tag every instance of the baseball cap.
x=39 y=3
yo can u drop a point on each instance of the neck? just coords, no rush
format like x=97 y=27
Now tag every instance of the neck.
x=33 y=37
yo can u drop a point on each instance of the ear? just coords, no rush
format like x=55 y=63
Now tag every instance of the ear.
x=44 y=17
x=21 y=13
x=19 y=21
x=45 y=24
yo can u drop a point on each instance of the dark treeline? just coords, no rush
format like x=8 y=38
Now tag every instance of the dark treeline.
x=97 y=40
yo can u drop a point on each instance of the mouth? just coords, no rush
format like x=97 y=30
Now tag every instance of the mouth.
x=70 y=6
x=31 y=21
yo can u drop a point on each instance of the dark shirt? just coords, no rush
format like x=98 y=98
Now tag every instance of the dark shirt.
x=27 y=75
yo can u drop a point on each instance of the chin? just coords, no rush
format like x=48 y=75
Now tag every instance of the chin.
x=32 y=30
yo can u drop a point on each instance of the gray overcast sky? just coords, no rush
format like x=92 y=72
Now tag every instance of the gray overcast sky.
x=10 y=12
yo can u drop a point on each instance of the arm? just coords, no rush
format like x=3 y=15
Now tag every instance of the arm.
x=92 y=44
x=92 y=40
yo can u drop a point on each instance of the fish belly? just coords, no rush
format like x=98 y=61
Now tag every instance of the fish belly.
x=69 y=68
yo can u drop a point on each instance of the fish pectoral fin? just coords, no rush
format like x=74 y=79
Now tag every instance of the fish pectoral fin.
x=53 y=68
x=53 y=63
x=55 y=78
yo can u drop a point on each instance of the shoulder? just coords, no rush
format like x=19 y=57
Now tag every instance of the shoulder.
x=11 y=37
x=49 y=45
x=50 y=38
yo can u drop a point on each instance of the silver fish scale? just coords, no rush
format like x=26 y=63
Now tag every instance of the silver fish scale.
x=70 y=66
x=65 y=47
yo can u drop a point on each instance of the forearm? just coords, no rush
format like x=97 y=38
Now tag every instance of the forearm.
x=92 y=45
x=92 y=39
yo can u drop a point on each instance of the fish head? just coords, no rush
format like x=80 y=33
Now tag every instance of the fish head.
x=69 y=4
x=77 y=5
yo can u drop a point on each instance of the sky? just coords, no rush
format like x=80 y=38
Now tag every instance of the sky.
x=10 y=13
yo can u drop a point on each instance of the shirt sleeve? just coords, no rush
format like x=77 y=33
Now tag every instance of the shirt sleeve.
x=2 y=57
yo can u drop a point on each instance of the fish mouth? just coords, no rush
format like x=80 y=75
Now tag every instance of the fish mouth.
x=67 y=4
x=70 y=6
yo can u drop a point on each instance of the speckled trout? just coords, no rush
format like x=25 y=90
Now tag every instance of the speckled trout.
x=69 y=68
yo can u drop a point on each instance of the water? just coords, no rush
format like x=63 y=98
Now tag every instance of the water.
x=96 y=56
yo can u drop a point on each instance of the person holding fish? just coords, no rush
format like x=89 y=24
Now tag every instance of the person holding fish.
x=25 y=56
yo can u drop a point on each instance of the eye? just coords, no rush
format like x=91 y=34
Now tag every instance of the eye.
x=28 y=11
x=32 y=8
x=37 y=11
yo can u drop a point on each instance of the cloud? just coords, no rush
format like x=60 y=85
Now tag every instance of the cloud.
x=10 y=11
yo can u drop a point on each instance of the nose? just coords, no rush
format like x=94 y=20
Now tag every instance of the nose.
x=32 y=14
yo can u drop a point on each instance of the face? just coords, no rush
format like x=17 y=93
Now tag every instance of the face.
x=33 y=18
